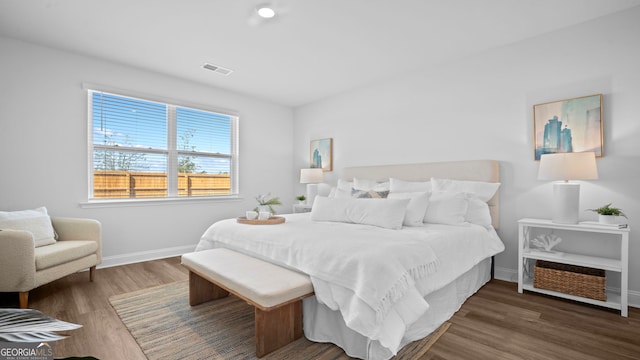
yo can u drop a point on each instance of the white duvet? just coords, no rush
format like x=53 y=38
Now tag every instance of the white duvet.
x=377 y=278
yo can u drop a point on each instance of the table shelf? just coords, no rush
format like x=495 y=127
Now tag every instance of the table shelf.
x=575 y=259
x=618 y=301
x=613 y=298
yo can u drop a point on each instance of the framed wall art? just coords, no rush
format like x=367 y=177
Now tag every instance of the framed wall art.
x=321 y=155
x=572 y=125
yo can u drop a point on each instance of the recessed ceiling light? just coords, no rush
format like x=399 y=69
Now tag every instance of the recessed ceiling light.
x=265 y=11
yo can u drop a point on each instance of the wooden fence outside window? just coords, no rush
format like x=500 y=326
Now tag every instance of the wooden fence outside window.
x=135 y=185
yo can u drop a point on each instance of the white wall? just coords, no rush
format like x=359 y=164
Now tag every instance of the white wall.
x=481 y=108
x=43 y=142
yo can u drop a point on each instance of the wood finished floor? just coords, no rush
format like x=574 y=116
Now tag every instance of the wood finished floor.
x=495 y=323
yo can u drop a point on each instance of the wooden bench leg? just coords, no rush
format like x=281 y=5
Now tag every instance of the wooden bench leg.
x=24 y=299
x=278 y=327
x=202 y=290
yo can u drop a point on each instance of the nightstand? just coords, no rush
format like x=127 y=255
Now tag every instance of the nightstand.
x=527 y=256
x=301 y=208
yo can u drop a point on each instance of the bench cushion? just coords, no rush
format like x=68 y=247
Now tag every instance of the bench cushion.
x=266 y=284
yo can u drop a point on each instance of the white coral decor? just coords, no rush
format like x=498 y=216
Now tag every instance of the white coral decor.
x=546 y=242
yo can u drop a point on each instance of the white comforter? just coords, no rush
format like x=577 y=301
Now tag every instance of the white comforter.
x=375 y=277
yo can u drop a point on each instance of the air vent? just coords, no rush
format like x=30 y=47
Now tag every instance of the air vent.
x=218 y=69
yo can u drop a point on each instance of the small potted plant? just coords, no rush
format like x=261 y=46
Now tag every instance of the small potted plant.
x=301 y=199
x=266 y=203
x=608 y=214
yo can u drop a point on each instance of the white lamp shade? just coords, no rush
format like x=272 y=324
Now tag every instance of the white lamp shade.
x=568 y=166
x=311 y=176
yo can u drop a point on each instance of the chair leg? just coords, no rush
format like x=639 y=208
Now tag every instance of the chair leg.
x=24 y=299
x=92 y=273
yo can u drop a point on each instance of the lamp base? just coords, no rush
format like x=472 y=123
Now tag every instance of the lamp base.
x=566 y=203
x=312 y=191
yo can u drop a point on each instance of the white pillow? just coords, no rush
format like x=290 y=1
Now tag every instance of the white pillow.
x=417 y=207
x=447 y=208
x=370 y=185
x=345 y=185
x=342 y=190
x=385 y=213
x=480 y=189
x=401 y=186
x=37 y=221
x=478 y=212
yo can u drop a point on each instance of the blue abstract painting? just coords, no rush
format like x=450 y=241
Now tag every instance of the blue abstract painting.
x=321 y=154
x=573 y=125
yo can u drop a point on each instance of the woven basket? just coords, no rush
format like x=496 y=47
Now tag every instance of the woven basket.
x=570 y=279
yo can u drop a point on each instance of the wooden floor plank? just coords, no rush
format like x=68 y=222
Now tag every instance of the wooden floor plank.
x=495 y=323
x=533 y=326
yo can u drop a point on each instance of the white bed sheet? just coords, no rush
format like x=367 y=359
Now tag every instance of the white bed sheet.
x=457 y=249
x=324 y=325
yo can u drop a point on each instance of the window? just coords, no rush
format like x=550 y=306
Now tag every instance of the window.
x=141 y=149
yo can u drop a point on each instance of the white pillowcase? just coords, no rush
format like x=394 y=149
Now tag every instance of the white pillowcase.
x=447 y=208
x=342 y=190
x=385 y=213
x=36 y=221
x=480 y=189
x=478 y=212
x=478 y=192
x=370 y=185
x=417 y=207
x=401 y=186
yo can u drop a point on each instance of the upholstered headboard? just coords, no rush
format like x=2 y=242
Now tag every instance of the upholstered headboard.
x=476 y=170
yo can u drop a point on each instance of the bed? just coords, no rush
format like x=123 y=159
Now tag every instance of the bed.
x=379 y=285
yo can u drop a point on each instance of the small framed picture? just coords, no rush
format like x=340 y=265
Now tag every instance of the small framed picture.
x=321 y=154
x=573 y=125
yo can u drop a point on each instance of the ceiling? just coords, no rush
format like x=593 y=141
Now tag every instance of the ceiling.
x=311 y=50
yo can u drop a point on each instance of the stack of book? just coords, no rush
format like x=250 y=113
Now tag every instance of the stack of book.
x=595 y=223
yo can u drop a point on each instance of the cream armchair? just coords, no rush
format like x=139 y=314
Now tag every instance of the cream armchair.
x=24 y=267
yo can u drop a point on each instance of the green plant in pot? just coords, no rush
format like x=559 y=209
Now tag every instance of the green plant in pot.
x=301 y=199
x=266 y=203
x=608 y=214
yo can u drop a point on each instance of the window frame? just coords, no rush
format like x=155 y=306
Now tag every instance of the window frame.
x=172 y=152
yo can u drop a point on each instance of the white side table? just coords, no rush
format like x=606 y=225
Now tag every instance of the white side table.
x=617 y=301
x=301 y=208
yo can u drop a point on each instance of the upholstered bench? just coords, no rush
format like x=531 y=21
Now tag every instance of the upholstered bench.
x=275 y=292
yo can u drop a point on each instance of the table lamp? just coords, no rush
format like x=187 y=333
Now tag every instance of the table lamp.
x=311 y=177
x=567 y=166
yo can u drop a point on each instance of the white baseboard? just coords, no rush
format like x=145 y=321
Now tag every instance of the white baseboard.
x=505 y=274
x=511 y=275
x=116 y=260
x=634 y=298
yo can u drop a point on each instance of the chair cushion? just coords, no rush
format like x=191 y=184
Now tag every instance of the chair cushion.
x=62 y=252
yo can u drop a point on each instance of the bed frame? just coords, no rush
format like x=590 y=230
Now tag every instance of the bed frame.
x=475 y=170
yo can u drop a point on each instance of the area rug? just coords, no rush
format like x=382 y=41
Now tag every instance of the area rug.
x=166 y=327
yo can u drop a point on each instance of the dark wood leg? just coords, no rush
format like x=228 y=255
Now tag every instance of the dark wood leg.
x=24 y=299
x=92 y=273
x=278 y=327
x=201 y=290
x=493 y=267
